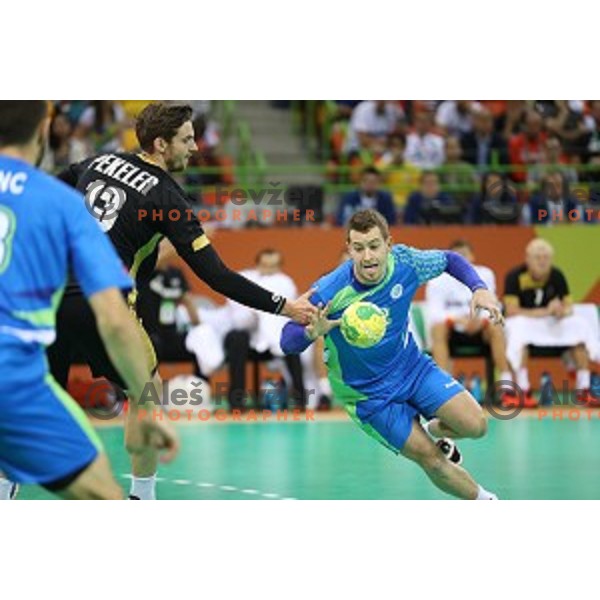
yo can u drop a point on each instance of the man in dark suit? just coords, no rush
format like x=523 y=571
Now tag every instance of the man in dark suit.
x=483 y=144
x=367 y=196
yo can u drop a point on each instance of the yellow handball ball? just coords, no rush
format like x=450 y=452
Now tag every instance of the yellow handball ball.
x=363 y=324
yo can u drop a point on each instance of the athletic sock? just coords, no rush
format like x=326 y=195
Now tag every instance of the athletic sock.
x=506 y=376
x=143 y=488
x=523 y=379
x=5 y=488
x=485 y=495
x=583 y=379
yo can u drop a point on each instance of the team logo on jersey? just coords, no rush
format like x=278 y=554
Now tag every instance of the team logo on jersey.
x=104 y=202
x=397 y=291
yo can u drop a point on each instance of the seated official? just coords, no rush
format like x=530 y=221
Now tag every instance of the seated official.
x=448 y=316
x=539 y=312
x=246 y=333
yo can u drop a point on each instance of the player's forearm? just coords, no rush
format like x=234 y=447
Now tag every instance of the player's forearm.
x=294 y=339
x=460 y=268
x=207 y=265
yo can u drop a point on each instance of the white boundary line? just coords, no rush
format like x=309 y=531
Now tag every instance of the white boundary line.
x=225 y=488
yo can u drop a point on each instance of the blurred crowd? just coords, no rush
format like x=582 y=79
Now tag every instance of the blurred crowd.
x=463 y=161
x=84 y=128
x=417 y=162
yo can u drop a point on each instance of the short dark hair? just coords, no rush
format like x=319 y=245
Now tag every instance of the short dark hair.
x=427 y=173
x=370 y=171
x=364 y=220
x=19 y=119
x=267 y=252
x=461 y=243
x=160 y=120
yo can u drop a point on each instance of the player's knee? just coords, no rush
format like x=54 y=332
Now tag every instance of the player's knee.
x=478 y=427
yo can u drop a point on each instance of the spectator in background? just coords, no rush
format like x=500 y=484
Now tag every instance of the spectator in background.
x=554 y=198
x=449 y=320
x=430 y=205
x=457 y=176
x=255 y=333
x=483 y=147
x=591 y=141
x=567 y=122
x=509 y=123
x=102 y=124
x=209 y=155
x=371 y=123
x=400 y=178
x=455 y=117
x=554 y=160
x=424 y=149
x=539 y=312
x=63 y=150
x=496 y=202
x=369 y=195
x=526 y=149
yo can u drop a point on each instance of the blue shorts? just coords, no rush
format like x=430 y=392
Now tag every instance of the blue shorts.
x=45 y=437
x=423 y=391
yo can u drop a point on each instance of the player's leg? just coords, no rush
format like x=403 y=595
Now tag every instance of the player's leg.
x=494 y=336
x=440 y=336
x=393 y=424
x=95 y=482
x=46 y=439
x=459 y=417
x=443 y=473
x=144 y=465
x=435 y=393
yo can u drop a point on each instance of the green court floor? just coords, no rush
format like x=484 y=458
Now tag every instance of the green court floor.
x=526 y=458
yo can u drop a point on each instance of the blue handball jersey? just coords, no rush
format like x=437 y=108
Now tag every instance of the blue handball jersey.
x=377 y=372
x=44 y=226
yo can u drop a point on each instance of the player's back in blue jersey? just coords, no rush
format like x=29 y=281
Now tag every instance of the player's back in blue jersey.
x=385 y=386
x=44 y=227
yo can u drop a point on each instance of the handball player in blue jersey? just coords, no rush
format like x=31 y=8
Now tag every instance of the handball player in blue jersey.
x=388 y=386
x=45 y=438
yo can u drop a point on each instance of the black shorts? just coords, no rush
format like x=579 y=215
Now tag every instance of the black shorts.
x=78 y=342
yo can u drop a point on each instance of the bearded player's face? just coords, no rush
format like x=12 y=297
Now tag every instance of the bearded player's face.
x=369 y=253
x=180 y=148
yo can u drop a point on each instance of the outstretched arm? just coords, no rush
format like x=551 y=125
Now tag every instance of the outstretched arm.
x=209 y=267
x=296 y=338
x=463 y=271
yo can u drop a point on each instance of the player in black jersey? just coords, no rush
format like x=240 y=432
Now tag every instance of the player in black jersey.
x=136 y=202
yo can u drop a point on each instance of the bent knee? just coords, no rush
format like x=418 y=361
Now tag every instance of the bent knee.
x=477 y=428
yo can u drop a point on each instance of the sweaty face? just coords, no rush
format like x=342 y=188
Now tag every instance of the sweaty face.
x=180 y=148
x=369 y=252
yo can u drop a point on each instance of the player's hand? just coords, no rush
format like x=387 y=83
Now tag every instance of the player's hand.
x=484 y=300
x=146 y=430
x=300 y=310
x=319 y=324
